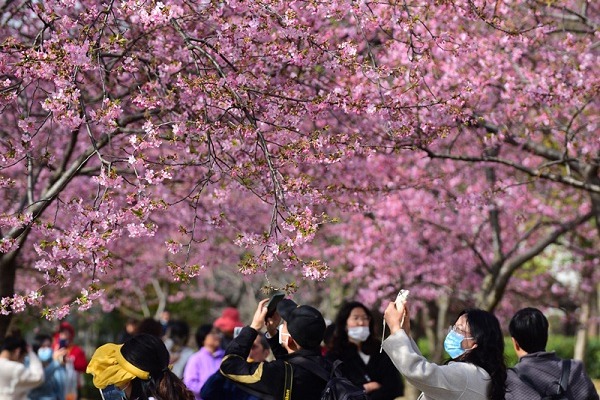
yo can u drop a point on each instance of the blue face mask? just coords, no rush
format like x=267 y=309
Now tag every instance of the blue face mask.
x=45 y=354
x=111 y=392
x=453 y=344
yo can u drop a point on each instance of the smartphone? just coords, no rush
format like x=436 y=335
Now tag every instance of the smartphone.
x=62 y=343
x=272 y=304
x=401 y=298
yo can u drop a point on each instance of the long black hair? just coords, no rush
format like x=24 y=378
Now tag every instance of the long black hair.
x=341 y=343
x=149 y=353
x=489 y=352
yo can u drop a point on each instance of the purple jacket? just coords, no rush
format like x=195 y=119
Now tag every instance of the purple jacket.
x=200 y=366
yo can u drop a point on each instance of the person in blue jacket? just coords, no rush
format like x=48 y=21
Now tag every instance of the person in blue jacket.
x=55 y=376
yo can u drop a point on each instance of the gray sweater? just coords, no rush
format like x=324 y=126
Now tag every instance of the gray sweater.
x=544 y=370
x=454 y=381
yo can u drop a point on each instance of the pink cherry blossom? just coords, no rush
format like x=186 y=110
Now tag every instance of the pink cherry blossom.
x=450 y=148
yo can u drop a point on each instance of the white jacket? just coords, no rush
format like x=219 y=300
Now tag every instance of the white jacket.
x=456 y=380
x=16 y=380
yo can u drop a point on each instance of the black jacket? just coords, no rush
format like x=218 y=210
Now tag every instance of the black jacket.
x=267 y=379
x=544 y=369
x=379 y=369
x=218 y=387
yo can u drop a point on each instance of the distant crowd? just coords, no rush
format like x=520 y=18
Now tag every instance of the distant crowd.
x=288 y=352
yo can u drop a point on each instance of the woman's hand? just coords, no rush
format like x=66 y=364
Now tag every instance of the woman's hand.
x=371 y=386
x=59 y=355
x=397 y=319
x=258 y=321
x=392 y=317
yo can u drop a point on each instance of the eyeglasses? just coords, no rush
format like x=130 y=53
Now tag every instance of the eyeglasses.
x=460 y=332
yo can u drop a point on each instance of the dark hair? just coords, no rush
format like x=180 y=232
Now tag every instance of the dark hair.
x=14 y=342
x=263 y=341
x=179 y=332
x=38 y=340
x=340 y=342
x=328 y=335
x=529 y=327
x=201 y=333
x=149 y=353
x=489 y=352
x=150 y=326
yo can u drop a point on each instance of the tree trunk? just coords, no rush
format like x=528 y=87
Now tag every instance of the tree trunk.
x=581 y=336
x=8 y=269
x=437 y=349
x=594 y=327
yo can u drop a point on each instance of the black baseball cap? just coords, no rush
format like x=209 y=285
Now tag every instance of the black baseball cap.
x=304 y=323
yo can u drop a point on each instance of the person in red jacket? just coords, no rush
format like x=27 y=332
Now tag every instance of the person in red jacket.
x=65 y=349
x=71 y=356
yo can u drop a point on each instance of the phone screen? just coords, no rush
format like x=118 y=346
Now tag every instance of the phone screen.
x=62 y=343
x=236 y=331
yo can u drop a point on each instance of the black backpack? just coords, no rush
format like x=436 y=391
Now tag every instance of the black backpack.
x=338 y=387
x=562 y=384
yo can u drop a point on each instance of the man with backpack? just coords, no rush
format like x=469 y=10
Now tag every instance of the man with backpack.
x=540 y=374
x=299 y=371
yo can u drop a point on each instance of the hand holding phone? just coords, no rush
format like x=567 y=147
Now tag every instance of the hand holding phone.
x=400 y=299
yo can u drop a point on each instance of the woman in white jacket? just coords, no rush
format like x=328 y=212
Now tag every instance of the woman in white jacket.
x=477 y=370
x=16 y=378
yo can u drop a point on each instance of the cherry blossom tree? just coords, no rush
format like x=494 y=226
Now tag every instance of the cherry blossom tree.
x=439 y=145
x=513 y=181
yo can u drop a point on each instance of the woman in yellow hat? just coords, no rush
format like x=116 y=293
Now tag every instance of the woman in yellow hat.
x=136 y=370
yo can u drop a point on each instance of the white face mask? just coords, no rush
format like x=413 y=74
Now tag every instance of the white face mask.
x=282 y=335
x=359 y=333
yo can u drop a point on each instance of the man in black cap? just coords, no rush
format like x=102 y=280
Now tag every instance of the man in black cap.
x=299 y=335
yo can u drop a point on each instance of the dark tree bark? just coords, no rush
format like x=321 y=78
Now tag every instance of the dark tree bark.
x=8 y=270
